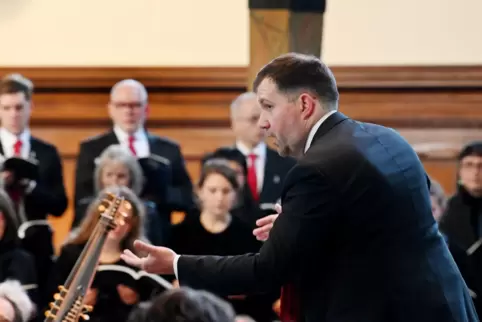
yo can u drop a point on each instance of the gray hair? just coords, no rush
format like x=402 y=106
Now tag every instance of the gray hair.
x=240 y=99
x=117 y=153
x=131 y=83
x=13 y=291
x=437 y=192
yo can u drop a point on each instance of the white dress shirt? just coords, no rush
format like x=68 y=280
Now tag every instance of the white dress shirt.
x=260 y=163
x=141 y=144
x=8 y=141
x=311 y=135
x=315 y=128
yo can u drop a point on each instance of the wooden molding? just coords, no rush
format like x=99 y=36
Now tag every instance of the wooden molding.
x=157 y=77
x=348 y=77
x=408 y=77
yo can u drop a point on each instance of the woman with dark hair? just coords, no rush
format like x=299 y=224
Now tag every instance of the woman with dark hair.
x=245 y=207
x=214 y=230
x=15 y=263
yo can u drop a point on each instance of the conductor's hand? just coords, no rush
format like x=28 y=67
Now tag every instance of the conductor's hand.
x=159 y=260
x=265 y=224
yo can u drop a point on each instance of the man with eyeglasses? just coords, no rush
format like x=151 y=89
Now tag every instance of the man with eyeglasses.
x=128 y=109
x=462 y=220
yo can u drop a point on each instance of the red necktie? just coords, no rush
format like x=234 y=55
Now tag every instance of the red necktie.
x=17 y=148
x=289 y=306
x=131 y=144
x=252 y=179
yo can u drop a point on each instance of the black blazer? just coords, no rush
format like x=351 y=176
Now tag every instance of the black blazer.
x=275 y=171
x=48 y=197
x=180 y=191
x=356 y=237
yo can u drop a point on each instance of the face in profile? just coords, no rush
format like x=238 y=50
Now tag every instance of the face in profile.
x=115 y=174
x=14 y=112
x=470 y=174
x=280 y=118
x=217 y=195
x=245 y=122
x=127 y=108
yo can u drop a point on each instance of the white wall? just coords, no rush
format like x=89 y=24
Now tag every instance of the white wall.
x=215 y=32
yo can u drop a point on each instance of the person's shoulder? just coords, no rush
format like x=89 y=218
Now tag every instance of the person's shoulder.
x=46 y=146
x=95 y=139
x=165 y=141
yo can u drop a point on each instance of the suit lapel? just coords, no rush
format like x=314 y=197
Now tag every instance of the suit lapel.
x=111 y=138
x=153 y=147
x=271 y=176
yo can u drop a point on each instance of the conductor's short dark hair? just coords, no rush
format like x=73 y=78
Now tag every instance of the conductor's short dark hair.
x=294 y=72
x=188 y=305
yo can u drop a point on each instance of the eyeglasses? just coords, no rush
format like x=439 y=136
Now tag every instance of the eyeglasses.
x=471 y=165
x=128 y=104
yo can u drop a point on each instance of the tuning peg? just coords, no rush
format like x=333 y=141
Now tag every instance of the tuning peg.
x=53 y=305
x=88 y=308
x=57 y=296
x=48 y=314
x=62 y=288
x=85 y=317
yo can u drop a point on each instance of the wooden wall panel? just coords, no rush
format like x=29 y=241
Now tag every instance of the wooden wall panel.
x=437 y=109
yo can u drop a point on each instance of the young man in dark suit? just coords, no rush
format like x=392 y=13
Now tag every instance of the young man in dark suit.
x=266 y=168
x=128 y=110
x=356 y=239
x=37 y=197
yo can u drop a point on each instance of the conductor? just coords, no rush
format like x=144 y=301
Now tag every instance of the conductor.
x=356 y=239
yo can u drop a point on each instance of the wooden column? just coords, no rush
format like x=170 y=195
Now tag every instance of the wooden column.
x=281 y=26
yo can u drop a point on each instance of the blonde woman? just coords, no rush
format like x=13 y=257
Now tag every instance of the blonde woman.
x=118 y=167
x=111 y=295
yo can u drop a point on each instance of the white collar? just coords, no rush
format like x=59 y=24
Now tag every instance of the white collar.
x=123 y=136
x=10 y=137
x=315 y=128
x=259 y=150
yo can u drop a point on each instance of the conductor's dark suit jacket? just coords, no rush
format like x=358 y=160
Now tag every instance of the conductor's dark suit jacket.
x=180 y=190
x=356 y=236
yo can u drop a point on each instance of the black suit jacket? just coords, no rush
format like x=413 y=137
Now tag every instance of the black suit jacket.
x=275 y=171
x=180 y=190
x=356 y=237
x=48 y=197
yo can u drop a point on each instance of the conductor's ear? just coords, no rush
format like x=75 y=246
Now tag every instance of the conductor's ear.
x=307 y=103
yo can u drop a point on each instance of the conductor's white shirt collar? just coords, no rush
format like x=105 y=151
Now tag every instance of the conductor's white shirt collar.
x=315 y=128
